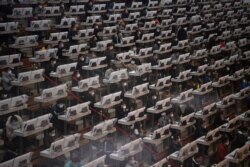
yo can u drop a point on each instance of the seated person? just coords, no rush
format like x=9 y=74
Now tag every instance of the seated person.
x=13 y=123
x=7 y=77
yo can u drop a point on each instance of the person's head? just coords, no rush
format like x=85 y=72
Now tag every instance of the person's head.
x=60 y=104
x=198 y=158
x=110 y=46
x=132 y=160
x=75 y=158
x=81 y=58
x=176 y=139
x=91 y=91
x=60 y=44
x=8 y=70
x=164 y=114
x=225 y=140
x=53 y=61
x=73 y=25
x=13 y=119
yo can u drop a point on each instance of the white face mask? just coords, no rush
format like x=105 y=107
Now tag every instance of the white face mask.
x=132 y=62
x=53 y=133
x=171 y=115
x=61 y=45
x=61 y=105
x=92 y=93
x=124 y=107
x=10 y=72
x=82 y=59
x=78 y=75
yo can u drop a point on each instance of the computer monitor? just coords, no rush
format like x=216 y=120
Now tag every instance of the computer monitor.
x=71 y=140
x=106 y=100
x=24 y=76
x=8 y=163
x=19 y=100
x=23 y=160
x=57 y=146
x=5 y=105
x=84 y=107
x=43 y=120
x=99 y=162
x=37 y=74
x=29 y=125
x=14 y=58
x=116 y=97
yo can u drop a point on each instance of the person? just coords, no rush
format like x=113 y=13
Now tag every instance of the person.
x=244 y=84
x=74 y=161
x=219 y=119
x=76 y=77
x=109 y=71
x=109 y=53
x=132 y=162
x=175 y=143
x=7 y=77
x=72 y=32
x=195 y=161
x=82 y=61
x=50 y=67
x=13 y=123
x=125 y=13
x=163 y=120
x=57 y=110
x=62 y=59
x=117 y=38
x=157 y=45
x=157 y=32
x=181 y=34
x=122 y=111
x=222 y=149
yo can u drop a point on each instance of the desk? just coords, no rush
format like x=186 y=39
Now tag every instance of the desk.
x=159 y=87
x=23 y=134
x=40 y=99
x=100 y=106
x=11 y=65
x=175 y=156
x=119 y=157
x=9 y=32
x=90 y=136
x=14 y=109
x=56 y=75
x=52 y=155
x=129 y=94
x=224 y=106
x=31 y=29
x=14 y=46
x=20 y=83
x=141 y=57
x=80 y=90
x=126 y=122
x=177 y=100
x=149 y=139
x=157 y=67
x=199 y=95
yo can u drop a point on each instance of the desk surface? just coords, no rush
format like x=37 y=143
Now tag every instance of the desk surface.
x=124 y=121
x=149 y=139
x=77 y=89
x=90 y=136
x=46 y=100
x=73 y=118
x=176 y=100
x=119 y=157
x=51 y=155
x=180 y=127
x=131 y=96
x=175 y=156
x=11 y=65
x=94 y=68
x=202 y=140
x=99 y=105
x=152 y=110
x=14 y=109
x=18 y=83
x=20 y=133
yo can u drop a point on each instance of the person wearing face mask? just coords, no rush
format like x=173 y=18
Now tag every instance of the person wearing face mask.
x=109 y=53
x=122 y=111
x=76 y=77
x=89 y=7
x=222 y=149
x=57 y=110
x=61 y=58
x=50 y=67
x=132 y=162
x=82 y=61
x=96 y=31
x=175 y=144
x=157 y=32
x=13 y=123
x=244 y=84
x=138 y=35
x=182 y=34
x=195 y=161
x=7 y=77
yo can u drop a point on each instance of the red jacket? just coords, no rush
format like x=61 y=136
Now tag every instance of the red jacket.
x=221 y=153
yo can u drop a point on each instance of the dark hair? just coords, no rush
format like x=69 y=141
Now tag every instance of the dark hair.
x=52 y=59
x=13 y=118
